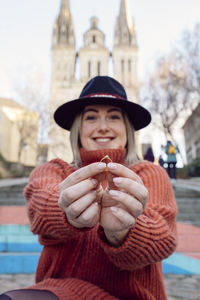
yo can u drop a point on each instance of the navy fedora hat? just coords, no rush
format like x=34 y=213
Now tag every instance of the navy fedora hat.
x=102 y=90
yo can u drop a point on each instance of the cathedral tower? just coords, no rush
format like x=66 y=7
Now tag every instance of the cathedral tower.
x=125 y=49
x=63 y=78
x=63 y=47
x=93 y=55
x=93 y=60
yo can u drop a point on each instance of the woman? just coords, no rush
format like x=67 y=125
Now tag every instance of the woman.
x=107 y=220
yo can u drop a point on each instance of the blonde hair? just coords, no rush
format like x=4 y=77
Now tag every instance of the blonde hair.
x=131 y=155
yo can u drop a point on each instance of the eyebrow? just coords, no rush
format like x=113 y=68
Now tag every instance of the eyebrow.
x=95 y=110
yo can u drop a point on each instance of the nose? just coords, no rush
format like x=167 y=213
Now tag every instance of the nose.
x=103 y=126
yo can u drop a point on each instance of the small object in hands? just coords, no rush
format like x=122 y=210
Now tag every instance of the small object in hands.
x=106 y=157
x=99 y=188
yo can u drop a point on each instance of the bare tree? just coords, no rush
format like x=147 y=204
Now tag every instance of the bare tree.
x=188 y=53
x=32 y=93
x=173 y=89
x=27 y=127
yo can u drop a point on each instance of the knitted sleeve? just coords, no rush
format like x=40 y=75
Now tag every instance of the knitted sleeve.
x=41 y=193
x=154 y=236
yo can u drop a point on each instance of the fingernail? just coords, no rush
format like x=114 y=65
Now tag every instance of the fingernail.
x=94 y=181
x=114 y=209
x=101 y=165
x=117 y=179
x=112 y=166
x=113 y=192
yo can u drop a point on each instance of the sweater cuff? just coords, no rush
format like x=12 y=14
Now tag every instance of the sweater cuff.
x=113 y=249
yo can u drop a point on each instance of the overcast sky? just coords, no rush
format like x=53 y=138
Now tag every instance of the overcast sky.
x=26 y=30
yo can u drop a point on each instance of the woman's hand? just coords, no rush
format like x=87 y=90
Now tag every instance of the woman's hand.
x=122 y=202
x=80 y=194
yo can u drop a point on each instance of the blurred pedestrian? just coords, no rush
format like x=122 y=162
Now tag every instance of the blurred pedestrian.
x=161 y=161
x=171 y=150
x=149 y=155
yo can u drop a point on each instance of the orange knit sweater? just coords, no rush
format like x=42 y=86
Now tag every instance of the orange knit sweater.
x=79 y=263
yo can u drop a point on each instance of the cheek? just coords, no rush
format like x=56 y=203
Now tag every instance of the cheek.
x=121 y=129
x=85 y=132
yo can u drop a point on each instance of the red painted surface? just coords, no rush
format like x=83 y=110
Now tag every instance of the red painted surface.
x=13 y=215
x=188 y=240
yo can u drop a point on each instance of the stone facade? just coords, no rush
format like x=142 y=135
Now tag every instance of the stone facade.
x=93 y=59
x=192 y=135
x=18 y=133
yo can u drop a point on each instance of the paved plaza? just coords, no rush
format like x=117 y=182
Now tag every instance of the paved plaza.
x=179 y=287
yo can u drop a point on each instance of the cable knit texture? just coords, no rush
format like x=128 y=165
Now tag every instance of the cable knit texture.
x=79 y=263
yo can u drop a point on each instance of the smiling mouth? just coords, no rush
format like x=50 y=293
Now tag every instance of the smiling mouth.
x=103 y=140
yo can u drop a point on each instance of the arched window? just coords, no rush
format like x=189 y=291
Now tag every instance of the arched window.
x=94 y=38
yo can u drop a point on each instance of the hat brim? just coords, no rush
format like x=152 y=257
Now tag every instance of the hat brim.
x=65 y=114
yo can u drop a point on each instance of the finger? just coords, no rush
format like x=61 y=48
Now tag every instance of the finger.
x=132 y=187
x=76 y=191
x=77 y=207
x=88 y=217
x=111 y=185
x=134 y=207
x=82 y=174
x=126 y=220
x=121 y=170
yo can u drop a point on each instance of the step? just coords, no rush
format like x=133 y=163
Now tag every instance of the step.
x=186 y=192
x=18 y=200
x=13 y=262
x=18 y=238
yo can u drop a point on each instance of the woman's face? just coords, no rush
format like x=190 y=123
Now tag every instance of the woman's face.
x=102 y=127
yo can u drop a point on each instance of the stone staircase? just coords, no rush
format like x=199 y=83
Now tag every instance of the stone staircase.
x=11 y=191
x=19 y=248
x=12 y=195
x=188 y=201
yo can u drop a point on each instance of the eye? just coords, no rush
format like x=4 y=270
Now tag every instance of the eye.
x=115 y=117
x=90 y=117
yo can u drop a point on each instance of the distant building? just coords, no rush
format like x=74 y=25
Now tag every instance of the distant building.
x=18 y=133
x=192 y=135
x=93 y=58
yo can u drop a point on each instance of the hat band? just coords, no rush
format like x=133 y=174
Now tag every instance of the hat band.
x=103 y=95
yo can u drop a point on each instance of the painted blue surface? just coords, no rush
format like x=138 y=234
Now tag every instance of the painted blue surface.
x=18 y=238
x=12 y=263
x=18 y=263
x=181 y=264
x=20 y=251
x=20 y=247
x=15 y=229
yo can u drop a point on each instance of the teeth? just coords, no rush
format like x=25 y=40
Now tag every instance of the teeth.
x=103 y=139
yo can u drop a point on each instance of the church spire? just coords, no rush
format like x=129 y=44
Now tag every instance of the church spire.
x=124 y=29
x=63 y=33
x=125 y=48
x=65 y=8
